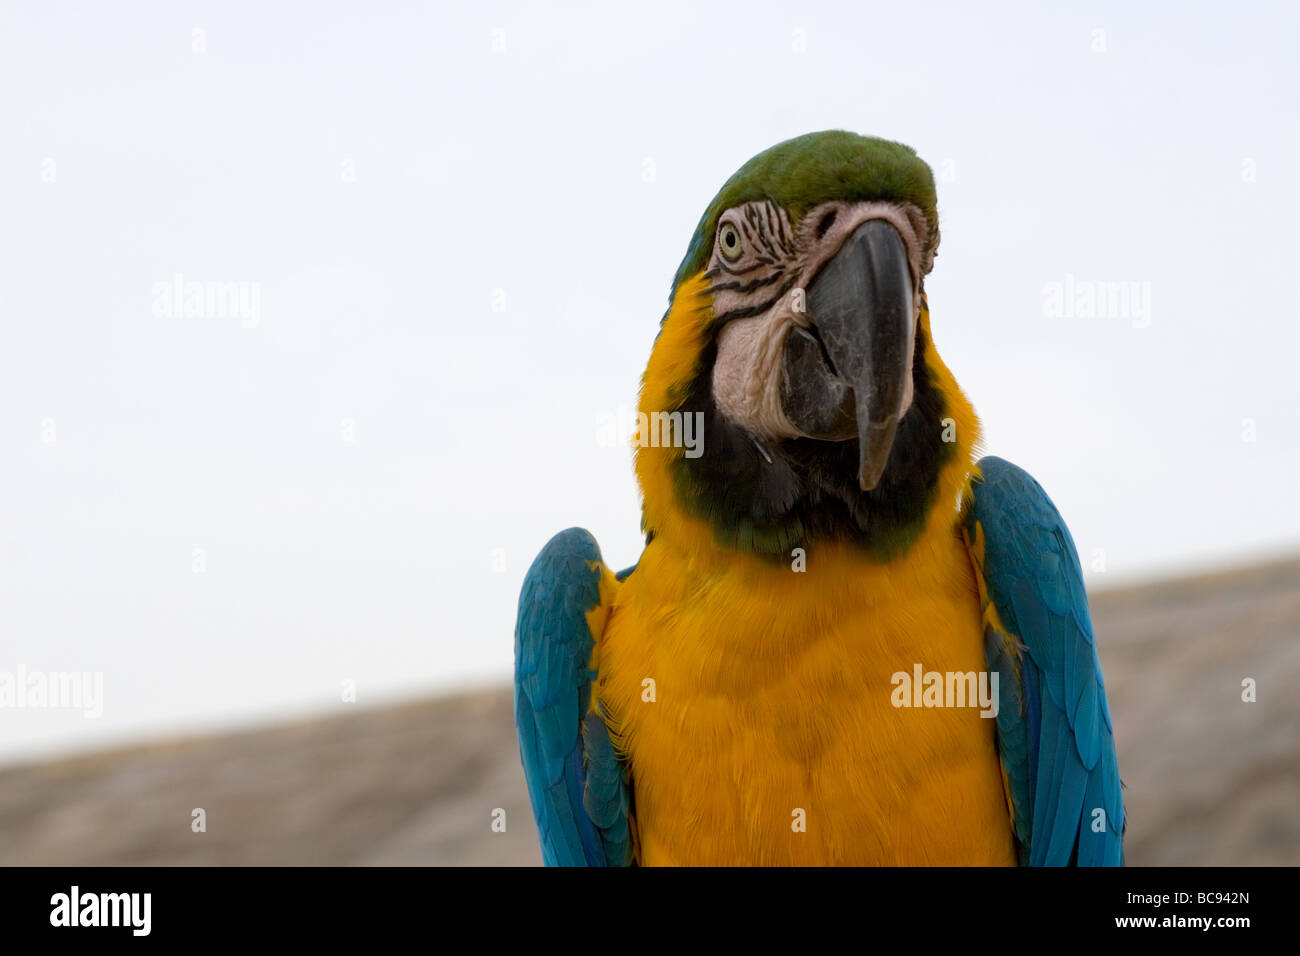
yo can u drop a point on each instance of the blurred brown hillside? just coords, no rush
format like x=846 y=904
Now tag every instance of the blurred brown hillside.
x=1210 y=779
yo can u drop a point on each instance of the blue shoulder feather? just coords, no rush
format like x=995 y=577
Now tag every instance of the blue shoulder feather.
x=1054 y=730
x=576 y=784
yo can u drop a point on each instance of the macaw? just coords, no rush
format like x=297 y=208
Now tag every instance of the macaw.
x=743 y=694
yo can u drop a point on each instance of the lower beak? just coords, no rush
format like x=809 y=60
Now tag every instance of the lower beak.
x=847 y=375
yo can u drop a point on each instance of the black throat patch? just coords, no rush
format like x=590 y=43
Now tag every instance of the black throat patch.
x=769 y=499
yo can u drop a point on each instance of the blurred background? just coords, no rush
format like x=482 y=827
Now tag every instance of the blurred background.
x=297 y=304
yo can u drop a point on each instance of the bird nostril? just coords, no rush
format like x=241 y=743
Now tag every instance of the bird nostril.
x=824 y=226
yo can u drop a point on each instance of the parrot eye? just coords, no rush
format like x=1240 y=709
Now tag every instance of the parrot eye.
x=729 y=241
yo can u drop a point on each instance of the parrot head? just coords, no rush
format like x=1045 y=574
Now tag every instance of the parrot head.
x=797 y=342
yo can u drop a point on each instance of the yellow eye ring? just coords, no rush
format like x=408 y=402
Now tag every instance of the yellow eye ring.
x=729 y=242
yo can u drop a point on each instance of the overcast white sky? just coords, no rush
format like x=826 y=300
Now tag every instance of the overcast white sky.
x=461 y=226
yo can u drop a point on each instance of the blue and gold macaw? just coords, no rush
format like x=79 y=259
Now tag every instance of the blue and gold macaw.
x=788 y=674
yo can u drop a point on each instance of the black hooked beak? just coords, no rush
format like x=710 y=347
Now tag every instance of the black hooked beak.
x=846 y=376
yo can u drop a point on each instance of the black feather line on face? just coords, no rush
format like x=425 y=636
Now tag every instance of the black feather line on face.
x=746 y=287
x=717 y=322
x=809 y=492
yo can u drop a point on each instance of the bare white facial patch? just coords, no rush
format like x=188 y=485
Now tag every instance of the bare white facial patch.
x=771 y=272
x=747 y=372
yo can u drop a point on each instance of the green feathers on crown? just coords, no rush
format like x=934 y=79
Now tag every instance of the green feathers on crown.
x=815 y=168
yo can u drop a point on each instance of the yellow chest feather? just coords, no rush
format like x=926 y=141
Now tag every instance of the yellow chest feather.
x=756 y=706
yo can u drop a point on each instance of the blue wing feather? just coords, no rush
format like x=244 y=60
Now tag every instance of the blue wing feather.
x=576 y=784
x=1054 y=731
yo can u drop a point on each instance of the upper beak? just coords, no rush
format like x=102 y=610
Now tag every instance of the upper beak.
x=848 y=374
